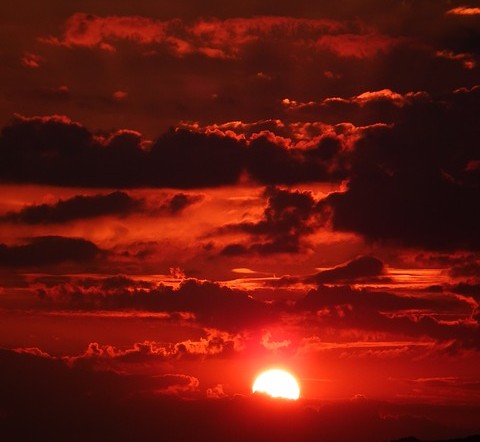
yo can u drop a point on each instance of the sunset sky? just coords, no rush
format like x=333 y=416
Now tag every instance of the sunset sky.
x=193 y=192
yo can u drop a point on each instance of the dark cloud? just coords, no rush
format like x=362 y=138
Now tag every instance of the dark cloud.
x=416 y=316
x=54 y=94
x=287 y=219
x=55 y=150
x=81 y=391
x=365 y=299
x=467 y=289
x=363 y=268
x=78 y=207
x=179 y=202
x=447 y=382
x=184 y=159
x=468 y=267
x=270 y=163
x=379 y=160
x=44 y=150
x=48 y=250
x=443 y=315
x=235 y=250
x=412 y=183
x=212 y=304
x=111 y=283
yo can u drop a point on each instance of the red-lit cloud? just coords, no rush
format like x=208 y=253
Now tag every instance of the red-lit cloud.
x=215 y=345
x=32 y=61
x=464 y=10
x=356 y=45
x=212 y=38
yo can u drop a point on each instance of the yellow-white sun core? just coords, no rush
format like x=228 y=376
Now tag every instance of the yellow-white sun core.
x=277 y=383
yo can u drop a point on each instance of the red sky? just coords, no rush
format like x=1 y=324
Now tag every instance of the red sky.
x=196 y=192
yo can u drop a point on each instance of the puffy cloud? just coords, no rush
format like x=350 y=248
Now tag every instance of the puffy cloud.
x=35 y=351
x=215 y=392
x=212 y=304
x=289 y=217
x=387 y=95
x=55 y=150
x=369 y=107
x=411 y=184
x=46 y=150
x=270 y=163
x=177 y=384
x=278 y=152
x=216 y=344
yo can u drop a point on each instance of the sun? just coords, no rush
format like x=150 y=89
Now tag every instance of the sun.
x=277 y=383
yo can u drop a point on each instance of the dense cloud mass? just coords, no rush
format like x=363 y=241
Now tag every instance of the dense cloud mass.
x=412 y=182
x=54 y=150
x=209 y=304
x=417 y=183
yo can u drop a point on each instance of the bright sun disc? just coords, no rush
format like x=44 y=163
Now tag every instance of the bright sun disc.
x=277 y=383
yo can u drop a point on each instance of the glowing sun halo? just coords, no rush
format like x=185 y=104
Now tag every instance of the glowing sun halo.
x=277 y=383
